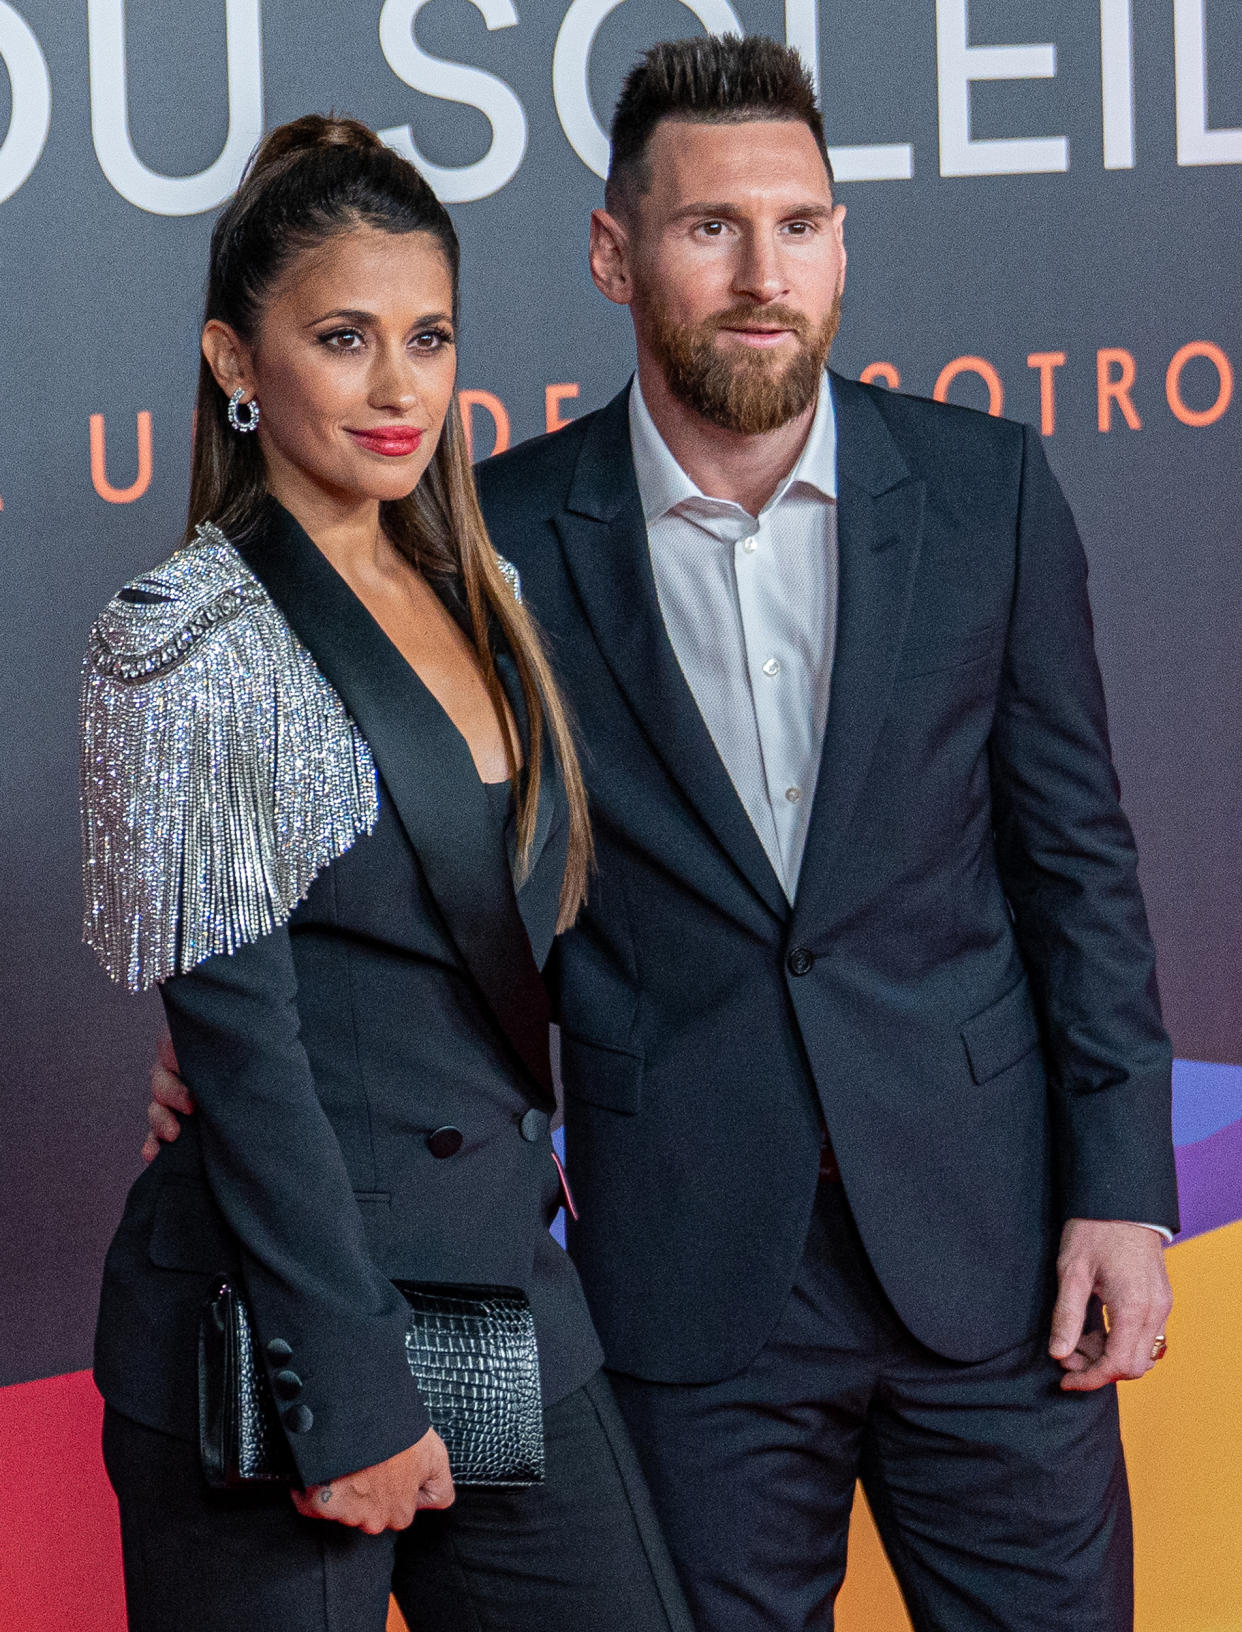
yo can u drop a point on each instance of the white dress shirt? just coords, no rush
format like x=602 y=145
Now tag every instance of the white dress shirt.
x=750 y=606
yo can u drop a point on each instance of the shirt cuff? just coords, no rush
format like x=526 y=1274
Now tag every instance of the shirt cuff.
x=1159 y=1229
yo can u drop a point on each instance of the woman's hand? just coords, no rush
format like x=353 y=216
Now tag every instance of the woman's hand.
x=387 y=1496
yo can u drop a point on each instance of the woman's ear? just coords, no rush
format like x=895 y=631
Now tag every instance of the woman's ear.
x=228 y=358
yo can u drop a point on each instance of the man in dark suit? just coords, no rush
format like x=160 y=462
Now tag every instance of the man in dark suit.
x=864 y=1072
x=861 y=1040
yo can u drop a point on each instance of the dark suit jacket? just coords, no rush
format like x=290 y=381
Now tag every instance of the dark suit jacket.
x=964 y=990
x=402 y=998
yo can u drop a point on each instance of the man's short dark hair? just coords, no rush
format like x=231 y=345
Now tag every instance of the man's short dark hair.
x=715 y=79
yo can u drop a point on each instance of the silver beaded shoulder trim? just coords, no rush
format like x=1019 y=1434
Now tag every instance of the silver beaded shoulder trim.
x=511 y=576
x=220 y=770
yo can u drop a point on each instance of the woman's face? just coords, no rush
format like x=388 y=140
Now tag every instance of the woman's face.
x=354 y=366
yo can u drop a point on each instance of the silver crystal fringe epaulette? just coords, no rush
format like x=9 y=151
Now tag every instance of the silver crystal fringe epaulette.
x=511 y=577
x=220 y=770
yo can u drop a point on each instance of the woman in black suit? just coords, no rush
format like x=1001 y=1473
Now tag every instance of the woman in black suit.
x=332 y=806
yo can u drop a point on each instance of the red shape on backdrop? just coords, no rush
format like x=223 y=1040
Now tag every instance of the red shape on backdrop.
x=60 y=1565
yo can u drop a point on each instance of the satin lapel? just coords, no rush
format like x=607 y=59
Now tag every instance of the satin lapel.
x=879 y=534
x=430 y=777
x=604 y=538
x=549 y=779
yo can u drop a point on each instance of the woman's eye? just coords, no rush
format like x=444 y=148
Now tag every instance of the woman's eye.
x=342 y=339
x=432 y=339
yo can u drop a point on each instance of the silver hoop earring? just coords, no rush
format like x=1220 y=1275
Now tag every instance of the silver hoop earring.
x=251 y=422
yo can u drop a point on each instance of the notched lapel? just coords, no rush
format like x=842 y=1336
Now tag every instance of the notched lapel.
x=430 y=776
x=879 y=535
x=604 y=539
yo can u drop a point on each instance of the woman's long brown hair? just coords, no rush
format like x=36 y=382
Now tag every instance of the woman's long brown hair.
x=309 y=181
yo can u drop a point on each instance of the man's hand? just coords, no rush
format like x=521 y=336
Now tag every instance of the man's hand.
x=387 y=1496
x=169 y=1095
x=1123 y=1266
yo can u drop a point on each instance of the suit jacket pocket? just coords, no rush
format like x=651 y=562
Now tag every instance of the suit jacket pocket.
x=600 y=1074
x=188 y=1230
x=952 y=652
x=1002 y=1034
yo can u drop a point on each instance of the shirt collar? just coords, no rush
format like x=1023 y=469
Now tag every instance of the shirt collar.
x=663 y=485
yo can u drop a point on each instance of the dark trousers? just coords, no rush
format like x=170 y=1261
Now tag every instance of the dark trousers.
x=579 y=1553
x=1001 y=1500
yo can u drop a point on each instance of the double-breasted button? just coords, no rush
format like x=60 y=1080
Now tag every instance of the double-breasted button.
x=278 y=1350
x=801 y=960
x=445 y=1142
x=533 y=1126
x=299 y=1419
x=287 y=1384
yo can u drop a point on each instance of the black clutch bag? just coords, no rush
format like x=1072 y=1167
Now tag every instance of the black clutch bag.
x=471 y=1349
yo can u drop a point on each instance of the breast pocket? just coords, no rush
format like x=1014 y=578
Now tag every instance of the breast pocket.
x=954 y=651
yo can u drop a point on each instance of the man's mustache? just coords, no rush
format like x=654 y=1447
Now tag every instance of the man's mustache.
x=760 y=317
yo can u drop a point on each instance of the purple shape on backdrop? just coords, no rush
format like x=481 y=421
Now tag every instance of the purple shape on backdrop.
x=1209 y=1181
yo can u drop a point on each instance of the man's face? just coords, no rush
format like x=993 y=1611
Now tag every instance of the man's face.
x=736 y=265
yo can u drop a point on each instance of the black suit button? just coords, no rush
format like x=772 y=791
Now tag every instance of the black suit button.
x=278 y=1350
x=287 y=1384
x=299 y=1419
x=533 y=1126
x=801 y=960
x=445 y=1142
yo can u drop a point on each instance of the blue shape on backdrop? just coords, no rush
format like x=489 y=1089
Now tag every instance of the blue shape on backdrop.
x=1206 y=1098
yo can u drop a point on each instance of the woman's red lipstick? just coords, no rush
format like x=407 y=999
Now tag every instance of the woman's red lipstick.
x=393 y=441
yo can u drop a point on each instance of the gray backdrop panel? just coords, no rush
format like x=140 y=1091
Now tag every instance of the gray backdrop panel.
x=102 y=304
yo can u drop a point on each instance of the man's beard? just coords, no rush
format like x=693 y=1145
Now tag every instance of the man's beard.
x=740 y=389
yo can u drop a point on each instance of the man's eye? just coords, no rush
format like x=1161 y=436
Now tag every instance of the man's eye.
x=713 y=229
x=800 y=228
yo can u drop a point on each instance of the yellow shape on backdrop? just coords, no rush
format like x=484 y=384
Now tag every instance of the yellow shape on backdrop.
x=1183 y=1436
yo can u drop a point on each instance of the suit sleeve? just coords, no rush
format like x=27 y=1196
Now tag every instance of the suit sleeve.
x=1069 y=868
x=278 y=1176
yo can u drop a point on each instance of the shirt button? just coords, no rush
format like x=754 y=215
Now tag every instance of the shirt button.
x=772 y=667
x=793 y=795
x=750 y=545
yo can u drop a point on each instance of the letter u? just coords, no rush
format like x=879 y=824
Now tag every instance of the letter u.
x=148 y=189
x=99 y=461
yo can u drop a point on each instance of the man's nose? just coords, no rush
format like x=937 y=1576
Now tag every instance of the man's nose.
x=759 y=273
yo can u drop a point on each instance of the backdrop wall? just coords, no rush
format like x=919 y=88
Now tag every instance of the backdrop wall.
x=1043 y=210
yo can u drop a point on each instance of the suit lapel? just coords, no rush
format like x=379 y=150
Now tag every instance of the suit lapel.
x=428 y=772
x=604 y=538
x=879 y=533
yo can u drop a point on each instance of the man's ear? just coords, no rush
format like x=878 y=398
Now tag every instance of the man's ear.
x=228 y=358
x=610 y=258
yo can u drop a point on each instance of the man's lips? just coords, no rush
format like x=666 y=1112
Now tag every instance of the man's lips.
x=393 y=441
x=759 y=337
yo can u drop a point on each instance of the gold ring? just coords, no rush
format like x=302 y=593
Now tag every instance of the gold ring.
x=1160 y=1346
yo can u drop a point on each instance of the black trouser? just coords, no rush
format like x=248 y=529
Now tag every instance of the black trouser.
x=579 y=1553
x=1001 y=1500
